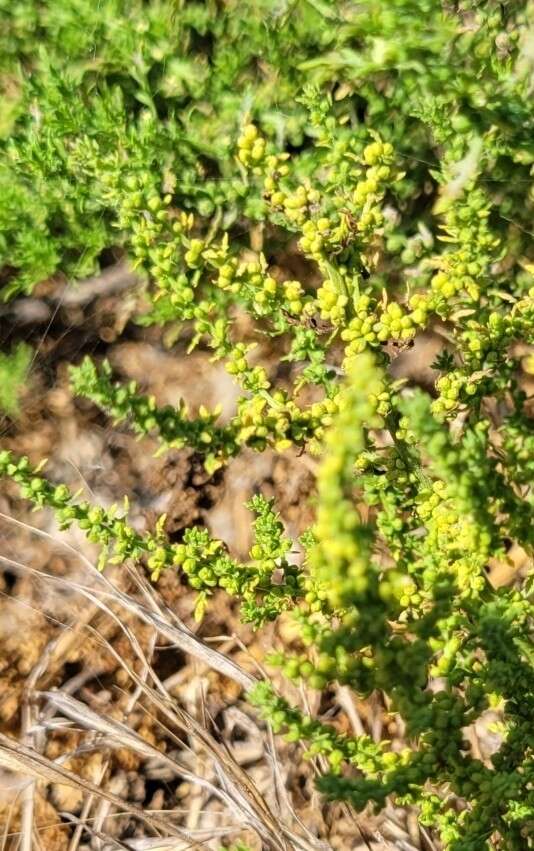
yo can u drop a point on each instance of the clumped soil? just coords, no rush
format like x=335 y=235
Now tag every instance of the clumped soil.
x=53 y=636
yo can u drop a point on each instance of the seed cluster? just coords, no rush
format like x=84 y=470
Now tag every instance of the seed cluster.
x=305 y=243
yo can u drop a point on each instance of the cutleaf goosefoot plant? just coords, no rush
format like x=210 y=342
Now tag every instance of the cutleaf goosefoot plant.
x=413 y=215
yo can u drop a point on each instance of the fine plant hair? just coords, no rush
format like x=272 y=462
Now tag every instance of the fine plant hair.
x=391 y=146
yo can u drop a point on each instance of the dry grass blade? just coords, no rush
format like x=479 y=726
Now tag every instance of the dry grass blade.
x=168 y=844
x=244 y=796
x=102 y=809
x=111 y=841
x=84 y=815
x=5 y=833
x=154 y=845
x=28 y=793
x=87 y=592
x=184 y=639
x=149 y=844
x=119 y=735
x=23 y=760
x=122 y=735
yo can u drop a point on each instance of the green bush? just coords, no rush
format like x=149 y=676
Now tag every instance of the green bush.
x=391 y=144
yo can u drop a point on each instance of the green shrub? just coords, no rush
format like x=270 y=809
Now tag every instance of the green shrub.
x=403 y=176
